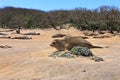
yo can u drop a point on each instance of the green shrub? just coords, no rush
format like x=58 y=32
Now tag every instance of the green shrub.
x=81 y=51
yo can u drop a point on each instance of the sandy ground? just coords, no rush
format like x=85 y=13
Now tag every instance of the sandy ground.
x=28 y=59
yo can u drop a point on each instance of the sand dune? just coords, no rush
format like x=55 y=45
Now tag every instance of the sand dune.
x=28 y=59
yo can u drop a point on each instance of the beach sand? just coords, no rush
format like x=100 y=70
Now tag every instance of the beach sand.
x=29 y=59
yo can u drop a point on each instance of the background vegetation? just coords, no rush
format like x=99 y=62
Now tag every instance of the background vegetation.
x=102 y=18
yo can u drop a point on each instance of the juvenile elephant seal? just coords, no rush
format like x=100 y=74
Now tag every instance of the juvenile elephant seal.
x=69 y=42
x=58 y=35
x=32 y=33
x=21 y=37
x=5 y=46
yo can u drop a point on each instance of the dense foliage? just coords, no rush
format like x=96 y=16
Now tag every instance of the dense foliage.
x=102 y=18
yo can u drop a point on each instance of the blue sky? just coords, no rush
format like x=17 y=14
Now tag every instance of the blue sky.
x=47 y=5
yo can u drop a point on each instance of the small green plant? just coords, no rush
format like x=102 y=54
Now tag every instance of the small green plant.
x=76 y=52
x=81 y=51
x=67 y=55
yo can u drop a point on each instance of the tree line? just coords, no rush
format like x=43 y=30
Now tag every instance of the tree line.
x=102 y=18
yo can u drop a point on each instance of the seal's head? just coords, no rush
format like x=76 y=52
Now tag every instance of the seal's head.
x=58 y=44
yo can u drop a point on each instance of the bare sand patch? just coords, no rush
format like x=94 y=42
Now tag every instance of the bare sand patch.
x=28 y=59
